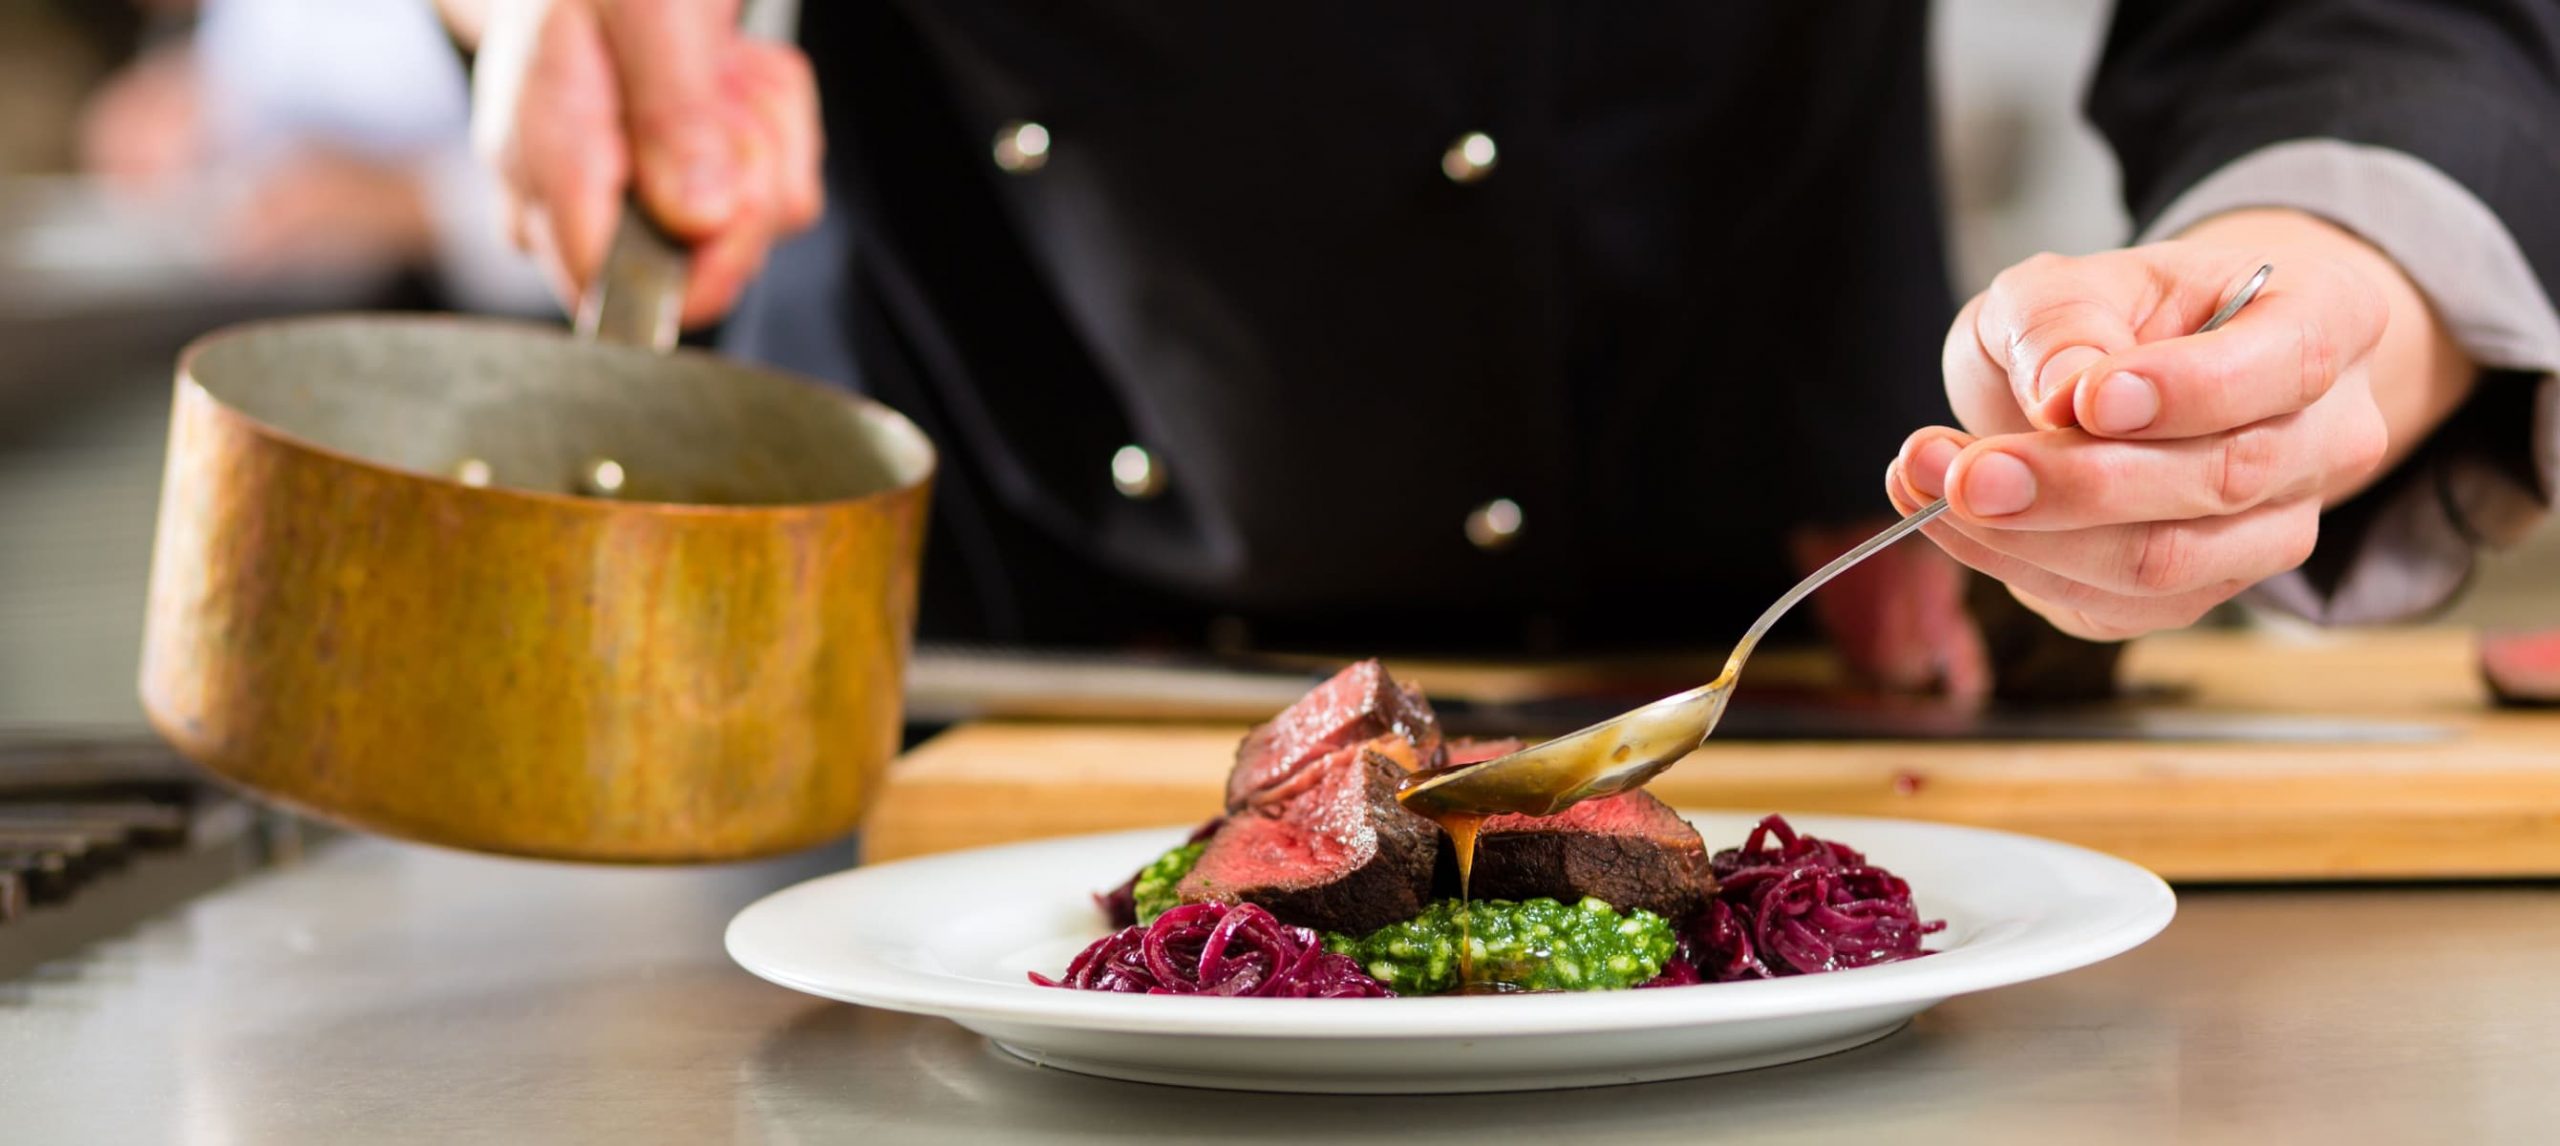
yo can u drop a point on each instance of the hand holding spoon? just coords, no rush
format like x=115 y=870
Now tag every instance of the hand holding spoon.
x=1622 y=753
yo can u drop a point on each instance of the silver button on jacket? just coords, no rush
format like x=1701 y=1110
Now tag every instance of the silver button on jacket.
x=1136 y=473
x=1022 y=147
x=1495 y=524
x=1469 y=159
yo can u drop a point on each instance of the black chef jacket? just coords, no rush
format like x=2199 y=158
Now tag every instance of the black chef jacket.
x=1695 y=298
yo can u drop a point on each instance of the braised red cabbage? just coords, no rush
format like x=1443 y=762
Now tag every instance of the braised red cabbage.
x=1215 y=949
x=1795 y=905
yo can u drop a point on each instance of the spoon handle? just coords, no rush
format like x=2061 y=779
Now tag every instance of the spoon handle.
x=1867 y=548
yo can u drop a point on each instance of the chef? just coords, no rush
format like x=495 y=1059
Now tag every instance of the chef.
x=1560 y=325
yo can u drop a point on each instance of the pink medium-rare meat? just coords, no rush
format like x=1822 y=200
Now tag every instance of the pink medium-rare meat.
x=1339 y=855
x=1359 y=704
x=1316 y=836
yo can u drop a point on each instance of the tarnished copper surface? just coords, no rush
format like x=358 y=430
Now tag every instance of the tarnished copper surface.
x=516 y=670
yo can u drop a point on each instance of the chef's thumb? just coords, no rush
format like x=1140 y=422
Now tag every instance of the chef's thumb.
x=685 y=157
x=2054 y=382
x=2048 y=321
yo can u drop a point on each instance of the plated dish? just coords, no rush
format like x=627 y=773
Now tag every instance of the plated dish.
x=1326 y=876
x=958 y=936
x=1296 y=940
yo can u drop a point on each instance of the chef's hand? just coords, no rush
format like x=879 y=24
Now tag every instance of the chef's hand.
x=577 y=99
x=2123 y=474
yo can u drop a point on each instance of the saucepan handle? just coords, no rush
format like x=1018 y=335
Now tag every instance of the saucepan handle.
x=638 y=297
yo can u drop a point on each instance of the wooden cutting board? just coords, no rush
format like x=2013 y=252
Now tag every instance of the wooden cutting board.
x=2483 y=802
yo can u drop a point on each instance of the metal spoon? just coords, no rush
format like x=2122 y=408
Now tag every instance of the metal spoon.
x=1620 y=754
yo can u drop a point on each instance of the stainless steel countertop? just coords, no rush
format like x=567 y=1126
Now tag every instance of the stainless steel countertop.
x=387 y=993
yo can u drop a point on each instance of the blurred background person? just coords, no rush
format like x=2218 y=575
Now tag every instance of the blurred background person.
x=314 y=137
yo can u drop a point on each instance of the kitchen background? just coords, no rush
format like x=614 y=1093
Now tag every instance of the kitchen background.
x=134 y=215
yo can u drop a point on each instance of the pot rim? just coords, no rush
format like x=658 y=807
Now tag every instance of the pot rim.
x=868 y=407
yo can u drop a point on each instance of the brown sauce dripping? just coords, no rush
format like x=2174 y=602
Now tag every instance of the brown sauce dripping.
x=1461 y=824
x=1462 y=828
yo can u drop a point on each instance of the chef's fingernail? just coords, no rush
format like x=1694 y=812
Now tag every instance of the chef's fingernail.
x=690 y=166
x=2065 y=365
x=1997 y=485
x=1927 y=472
x=2124 y=403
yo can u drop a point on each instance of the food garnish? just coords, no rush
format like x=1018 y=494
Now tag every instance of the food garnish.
x=1540 y=945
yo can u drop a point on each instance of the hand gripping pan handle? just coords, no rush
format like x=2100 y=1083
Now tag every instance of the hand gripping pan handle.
x=638 y=297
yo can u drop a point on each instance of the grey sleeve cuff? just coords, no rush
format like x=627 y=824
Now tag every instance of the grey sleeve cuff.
x=2416 y=551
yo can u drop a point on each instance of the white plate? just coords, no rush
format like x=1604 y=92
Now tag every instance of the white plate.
x=953 y=935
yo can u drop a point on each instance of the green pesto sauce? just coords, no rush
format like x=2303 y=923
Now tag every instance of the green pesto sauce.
x=1540 y=945
x=1157 y=880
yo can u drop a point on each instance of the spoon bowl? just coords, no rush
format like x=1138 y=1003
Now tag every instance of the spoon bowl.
x=1613 y=756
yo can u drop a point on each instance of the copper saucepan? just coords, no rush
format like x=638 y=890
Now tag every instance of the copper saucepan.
x=483 y=584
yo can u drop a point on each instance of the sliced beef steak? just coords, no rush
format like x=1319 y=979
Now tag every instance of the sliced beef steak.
x=1359 y=704
x=1339 y=855
x=1630 y=850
